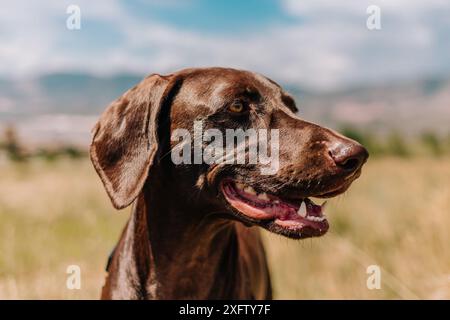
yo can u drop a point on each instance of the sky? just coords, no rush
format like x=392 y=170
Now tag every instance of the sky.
x=317 y=44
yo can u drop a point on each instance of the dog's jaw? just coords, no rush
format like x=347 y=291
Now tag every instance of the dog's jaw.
x=300 y=218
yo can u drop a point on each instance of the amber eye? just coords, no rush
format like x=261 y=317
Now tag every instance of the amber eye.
x=236 y=107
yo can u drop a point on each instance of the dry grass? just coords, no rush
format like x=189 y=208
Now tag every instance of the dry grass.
x=396 y=216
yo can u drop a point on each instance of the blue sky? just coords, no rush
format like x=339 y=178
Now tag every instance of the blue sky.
x=320 y=44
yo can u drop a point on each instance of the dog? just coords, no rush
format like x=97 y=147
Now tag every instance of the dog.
x=191 y=232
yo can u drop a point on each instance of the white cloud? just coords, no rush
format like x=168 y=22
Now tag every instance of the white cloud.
x=329 y=47
x=320 y=8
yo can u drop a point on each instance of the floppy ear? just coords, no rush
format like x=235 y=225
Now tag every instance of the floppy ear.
x=125 y=139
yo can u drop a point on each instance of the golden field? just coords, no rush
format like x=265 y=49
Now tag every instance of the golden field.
x=396 y=216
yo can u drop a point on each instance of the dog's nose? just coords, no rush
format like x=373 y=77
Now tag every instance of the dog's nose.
x=348 y=155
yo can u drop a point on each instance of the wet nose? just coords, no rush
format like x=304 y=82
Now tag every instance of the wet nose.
x=348 y=155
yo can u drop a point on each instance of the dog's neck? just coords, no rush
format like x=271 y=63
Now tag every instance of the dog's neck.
x=178 y=255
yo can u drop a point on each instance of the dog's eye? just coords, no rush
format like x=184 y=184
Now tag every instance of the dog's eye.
x=237 y=107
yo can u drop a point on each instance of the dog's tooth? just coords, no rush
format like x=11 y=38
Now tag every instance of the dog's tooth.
x=302 y=210
x=263 y=196
x=316 y=219
x=250 y=190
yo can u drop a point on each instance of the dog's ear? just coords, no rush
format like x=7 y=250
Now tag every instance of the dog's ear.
x=125 y=139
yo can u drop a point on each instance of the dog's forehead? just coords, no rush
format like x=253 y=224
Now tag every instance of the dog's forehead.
x=212 y=86
x=205 y=91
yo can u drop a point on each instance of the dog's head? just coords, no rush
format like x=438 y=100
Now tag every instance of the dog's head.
x=189 y=124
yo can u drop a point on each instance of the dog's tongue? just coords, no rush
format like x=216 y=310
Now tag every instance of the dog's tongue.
x=309 y=209
x=267 y=206
x=313 y=209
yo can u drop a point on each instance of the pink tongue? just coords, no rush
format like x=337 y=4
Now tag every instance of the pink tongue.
x=313 y=209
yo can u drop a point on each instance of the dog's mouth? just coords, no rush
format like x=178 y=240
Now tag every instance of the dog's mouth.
x=295 y=218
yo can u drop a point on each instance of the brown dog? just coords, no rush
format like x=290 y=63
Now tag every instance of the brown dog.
x=188 y=236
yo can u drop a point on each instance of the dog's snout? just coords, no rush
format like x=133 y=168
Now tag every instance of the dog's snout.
x=348 y=155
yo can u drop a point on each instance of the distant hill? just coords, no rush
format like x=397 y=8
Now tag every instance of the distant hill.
x=74 y=93
x=407 y=107
x=72 y=101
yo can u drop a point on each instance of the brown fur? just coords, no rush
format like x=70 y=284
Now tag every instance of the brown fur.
x=183 y=241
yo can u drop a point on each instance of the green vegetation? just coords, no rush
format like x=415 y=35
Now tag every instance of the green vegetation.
x=397 y=145
x=433 y=143
x=11 y=145
x=15 y=151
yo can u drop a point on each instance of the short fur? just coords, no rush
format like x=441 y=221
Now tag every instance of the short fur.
x=183 y=240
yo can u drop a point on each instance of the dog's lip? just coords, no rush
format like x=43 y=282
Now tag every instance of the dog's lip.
x=334 y=191
x=275 y=213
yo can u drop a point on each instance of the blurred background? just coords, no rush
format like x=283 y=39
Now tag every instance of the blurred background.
x=387 y=87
